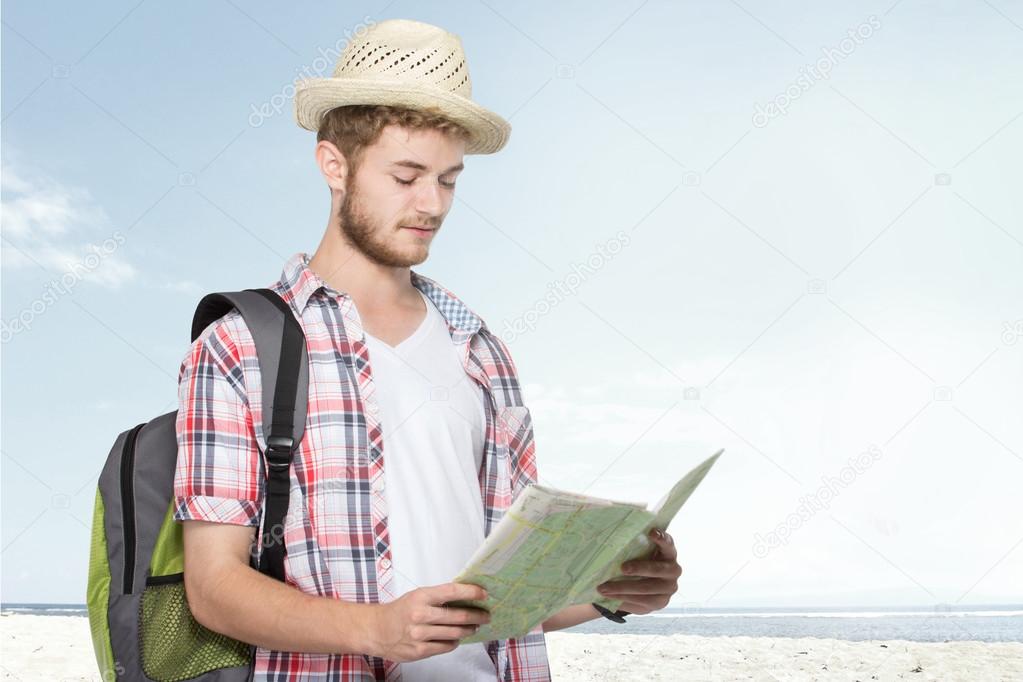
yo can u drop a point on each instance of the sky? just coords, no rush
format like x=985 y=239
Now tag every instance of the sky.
x=793 y=232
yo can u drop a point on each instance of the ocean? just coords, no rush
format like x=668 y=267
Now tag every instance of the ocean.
x=987 y=623
x=983 y=623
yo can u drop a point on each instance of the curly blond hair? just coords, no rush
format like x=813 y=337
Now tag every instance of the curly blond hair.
x=353 y=128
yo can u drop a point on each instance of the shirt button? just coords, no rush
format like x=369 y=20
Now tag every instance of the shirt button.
x=386 y=563
x=372 y=408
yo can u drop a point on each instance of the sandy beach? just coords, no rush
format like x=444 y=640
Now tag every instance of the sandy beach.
x=59 y=648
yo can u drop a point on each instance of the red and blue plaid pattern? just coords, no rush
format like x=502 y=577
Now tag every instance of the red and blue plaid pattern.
x=335 y=532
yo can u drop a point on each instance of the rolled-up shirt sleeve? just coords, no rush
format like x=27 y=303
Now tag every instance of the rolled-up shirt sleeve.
x=522 y=443
x=219 y=471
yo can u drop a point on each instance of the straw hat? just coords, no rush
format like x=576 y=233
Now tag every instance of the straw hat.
x=404 y=63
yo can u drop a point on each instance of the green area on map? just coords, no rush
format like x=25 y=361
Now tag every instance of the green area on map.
x=552 y=548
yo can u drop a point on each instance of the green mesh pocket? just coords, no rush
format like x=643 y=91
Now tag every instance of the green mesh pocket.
x=173 y=645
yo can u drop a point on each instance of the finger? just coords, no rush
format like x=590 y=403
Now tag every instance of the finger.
x=434 y=633
x=660 y=568
x=637 y=587
x=665 y=543
x=457 y=615
x=455 y=592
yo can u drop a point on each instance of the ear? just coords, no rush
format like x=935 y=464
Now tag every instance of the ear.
x=332 y=164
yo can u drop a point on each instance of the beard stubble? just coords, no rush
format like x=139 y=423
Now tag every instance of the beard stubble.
x=369 y=238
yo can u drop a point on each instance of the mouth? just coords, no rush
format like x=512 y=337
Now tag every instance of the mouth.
x=420 y=230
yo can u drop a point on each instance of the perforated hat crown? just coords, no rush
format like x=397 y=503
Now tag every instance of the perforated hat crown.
x=404 y=63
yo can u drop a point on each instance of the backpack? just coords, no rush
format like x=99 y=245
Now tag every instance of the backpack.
x=142 y=628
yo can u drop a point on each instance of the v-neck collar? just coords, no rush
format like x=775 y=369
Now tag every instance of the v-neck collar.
x=299 y=283
x=412 y=339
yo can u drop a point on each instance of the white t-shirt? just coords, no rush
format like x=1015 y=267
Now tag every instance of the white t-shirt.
x=433 y=426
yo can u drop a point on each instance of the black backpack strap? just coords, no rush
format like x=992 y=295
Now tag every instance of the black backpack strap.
x=284 y=369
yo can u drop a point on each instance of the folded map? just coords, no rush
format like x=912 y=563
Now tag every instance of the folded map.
x=552 y=548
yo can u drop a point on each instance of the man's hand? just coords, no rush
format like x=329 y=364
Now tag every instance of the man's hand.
x=418 y=625
x=659 y=578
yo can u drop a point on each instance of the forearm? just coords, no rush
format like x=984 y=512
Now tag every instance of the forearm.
x=254 y=608
x=569 y=616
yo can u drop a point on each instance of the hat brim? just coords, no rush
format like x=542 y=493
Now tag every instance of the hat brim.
x=316 y=96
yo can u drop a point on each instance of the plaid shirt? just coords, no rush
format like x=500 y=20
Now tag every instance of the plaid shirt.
x=335 y=533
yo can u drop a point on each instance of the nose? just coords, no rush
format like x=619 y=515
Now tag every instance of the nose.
x=431 y=199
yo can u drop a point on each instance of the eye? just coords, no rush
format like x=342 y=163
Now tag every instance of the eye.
x=446 y=185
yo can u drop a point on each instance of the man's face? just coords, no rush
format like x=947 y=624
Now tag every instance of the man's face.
x=404 y=180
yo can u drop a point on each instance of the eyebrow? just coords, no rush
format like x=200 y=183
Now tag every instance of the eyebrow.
x=408 y=163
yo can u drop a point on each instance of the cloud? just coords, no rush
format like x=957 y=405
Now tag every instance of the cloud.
x=49 y=224
x=185 y=286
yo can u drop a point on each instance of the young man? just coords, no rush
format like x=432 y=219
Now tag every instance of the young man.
x=416 y=436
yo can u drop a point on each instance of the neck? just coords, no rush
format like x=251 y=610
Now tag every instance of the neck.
x=371 y=285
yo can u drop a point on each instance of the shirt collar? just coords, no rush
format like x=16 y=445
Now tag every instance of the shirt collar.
x=299 y=283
